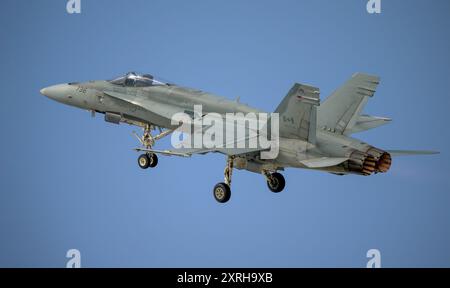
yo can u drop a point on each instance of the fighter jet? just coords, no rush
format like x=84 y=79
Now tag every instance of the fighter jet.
x=311 y=135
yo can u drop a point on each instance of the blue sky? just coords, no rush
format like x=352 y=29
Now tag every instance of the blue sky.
x=70 y=181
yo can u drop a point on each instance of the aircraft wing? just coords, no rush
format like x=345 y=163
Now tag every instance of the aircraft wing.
x=225 y=151
x=396 y=153
x=231 y=151
x=188 y=152
x=239 y=143
x=165 y=152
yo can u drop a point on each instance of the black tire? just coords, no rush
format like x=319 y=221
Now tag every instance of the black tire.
x=276 y=182
x=144 y=161
x=222 y=192
x=153 y=160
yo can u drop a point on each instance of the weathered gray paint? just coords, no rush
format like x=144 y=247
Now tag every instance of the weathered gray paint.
x=327 y=147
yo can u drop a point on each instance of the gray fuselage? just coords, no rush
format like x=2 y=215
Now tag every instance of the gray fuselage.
x=130 y=102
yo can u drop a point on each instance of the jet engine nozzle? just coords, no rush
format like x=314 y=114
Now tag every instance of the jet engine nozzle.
x=384 y=163
x=361 y=163
x=383 y=159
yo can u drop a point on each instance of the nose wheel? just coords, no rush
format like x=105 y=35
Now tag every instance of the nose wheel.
x=148 y=160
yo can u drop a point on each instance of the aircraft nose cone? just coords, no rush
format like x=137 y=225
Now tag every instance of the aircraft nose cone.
x=55 y=92
x=44 y=91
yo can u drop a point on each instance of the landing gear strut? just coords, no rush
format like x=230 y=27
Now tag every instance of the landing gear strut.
x=149 y=159
x=222 y=191
x=147 y=139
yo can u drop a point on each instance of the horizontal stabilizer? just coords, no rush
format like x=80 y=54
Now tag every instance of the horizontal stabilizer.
x=411 y=152
x=323 y=162
x=366 y=122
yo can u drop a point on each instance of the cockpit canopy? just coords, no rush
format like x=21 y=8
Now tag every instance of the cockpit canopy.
x=133 y=79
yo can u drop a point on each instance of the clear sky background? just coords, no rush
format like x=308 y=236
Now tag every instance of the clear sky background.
x=72 y=181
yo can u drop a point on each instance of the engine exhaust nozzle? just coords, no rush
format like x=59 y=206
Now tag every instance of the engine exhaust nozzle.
x=383 y=160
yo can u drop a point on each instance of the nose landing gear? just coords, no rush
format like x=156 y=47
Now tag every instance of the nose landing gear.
x=149 y=159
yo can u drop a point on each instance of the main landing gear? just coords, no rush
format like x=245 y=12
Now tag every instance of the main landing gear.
x=275 y=181
x=222 y=191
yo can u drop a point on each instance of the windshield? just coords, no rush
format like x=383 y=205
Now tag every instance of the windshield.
x=132 y=79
